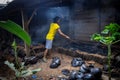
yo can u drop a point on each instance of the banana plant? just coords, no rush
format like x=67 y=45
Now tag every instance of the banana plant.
x=16 y=29
x=110 y=35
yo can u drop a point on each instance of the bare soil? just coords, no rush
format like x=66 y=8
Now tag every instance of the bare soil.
x=46 y=73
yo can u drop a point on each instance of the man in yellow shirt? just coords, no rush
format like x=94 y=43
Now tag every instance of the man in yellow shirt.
x=54 y=27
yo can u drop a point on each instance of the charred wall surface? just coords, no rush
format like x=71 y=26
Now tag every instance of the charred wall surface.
x=80 y=18
x=89 y=17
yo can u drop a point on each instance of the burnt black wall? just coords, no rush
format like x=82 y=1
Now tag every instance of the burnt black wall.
x=90 y=16
x=80 y=18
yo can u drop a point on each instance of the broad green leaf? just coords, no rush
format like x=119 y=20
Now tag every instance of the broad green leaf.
x=96 y=37
x=107 y=40
x=112 y=27
x=16 y=29
x=116 y=34
x=105 y=31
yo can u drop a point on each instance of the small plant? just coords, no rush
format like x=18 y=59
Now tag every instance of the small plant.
x=110 y=35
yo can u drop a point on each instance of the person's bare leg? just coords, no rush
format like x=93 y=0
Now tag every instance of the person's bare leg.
x=45 y=54
x=49 y=53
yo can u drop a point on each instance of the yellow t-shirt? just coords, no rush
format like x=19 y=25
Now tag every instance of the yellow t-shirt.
x=52 y=31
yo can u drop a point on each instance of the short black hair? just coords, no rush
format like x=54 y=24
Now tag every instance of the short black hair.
x=55 y=19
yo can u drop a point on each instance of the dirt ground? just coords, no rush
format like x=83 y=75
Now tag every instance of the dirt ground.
x=47 y=72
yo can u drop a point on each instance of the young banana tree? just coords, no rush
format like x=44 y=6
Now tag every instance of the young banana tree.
x=17 y=30
x=110 y=35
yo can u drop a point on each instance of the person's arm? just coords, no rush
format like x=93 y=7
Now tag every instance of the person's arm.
x=62 y=34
